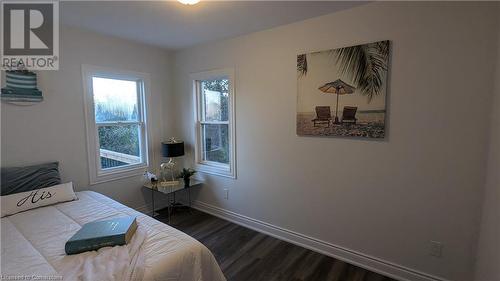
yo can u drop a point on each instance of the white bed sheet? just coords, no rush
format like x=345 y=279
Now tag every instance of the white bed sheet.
x=32 y=242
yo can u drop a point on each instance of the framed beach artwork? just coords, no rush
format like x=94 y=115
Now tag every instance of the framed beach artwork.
x=342 y=92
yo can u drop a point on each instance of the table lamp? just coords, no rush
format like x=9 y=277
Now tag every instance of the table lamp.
x=171 y=149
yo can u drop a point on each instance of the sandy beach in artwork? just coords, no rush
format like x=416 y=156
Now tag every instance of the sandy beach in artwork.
x=370 y=124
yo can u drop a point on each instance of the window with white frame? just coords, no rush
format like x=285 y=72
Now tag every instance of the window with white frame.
x=115 y=107
x=215 y=127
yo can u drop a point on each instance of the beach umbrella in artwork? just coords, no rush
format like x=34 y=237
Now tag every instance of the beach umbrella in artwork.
x=337 y=87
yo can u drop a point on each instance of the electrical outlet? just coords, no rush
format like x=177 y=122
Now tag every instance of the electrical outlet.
x=226 y=194
x=436 y=249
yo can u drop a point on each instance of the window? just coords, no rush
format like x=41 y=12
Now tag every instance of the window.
x=115 y=108
x=214 y=95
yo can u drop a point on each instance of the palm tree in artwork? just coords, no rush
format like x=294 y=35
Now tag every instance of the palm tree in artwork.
x=302 y=64
x=364 y=65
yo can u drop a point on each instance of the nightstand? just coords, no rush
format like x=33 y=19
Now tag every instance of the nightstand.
x=170 y=191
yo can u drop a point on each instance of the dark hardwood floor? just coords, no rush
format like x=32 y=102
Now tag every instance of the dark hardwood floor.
x=246 y=255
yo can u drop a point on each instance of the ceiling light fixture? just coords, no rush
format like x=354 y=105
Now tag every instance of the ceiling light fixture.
x=189 y=2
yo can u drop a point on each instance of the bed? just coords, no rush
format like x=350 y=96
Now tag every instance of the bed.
x=33 y=244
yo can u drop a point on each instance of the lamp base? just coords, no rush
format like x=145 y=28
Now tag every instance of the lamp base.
x=170 y=165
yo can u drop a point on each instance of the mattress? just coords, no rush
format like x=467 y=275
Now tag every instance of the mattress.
x=33 y=241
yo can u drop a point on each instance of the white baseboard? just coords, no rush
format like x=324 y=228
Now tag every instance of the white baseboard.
x=368 y=262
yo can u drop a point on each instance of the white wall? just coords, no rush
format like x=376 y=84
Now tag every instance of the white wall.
x=386 y=199
x=55 y=128
x=488 y=262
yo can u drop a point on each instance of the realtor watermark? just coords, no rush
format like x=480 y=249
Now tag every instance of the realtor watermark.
x=30 y=35
x=31 y=277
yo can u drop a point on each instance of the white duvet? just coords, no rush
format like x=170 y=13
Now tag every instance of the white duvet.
x=32 y=245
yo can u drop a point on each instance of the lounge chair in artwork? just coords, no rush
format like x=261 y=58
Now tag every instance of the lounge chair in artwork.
x=349 y=114
x=323 y=116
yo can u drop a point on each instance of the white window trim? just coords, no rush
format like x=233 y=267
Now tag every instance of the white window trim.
x=210 y=167
x=97 y=175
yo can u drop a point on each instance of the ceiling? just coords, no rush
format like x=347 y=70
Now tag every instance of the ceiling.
x=171 y=25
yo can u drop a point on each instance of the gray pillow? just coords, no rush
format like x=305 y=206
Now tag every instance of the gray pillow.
x=21 y=179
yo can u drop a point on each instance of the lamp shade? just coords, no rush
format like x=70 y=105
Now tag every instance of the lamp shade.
x=172 y=149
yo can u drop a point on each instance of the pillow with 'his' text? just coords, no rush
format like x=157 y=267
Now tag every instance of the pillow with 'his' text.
x=23 y=201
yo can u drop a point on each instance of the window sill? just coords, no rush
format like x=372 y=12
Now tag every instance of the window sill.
x=216 y=170
x=108 y=176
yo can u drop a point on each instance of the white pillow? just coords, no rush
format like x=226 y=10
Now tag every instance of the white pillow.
x=18 y=202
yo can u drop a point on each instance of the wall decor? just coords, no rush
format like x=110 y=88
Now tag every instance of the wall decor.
x=342 y=92
x=21 y=86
